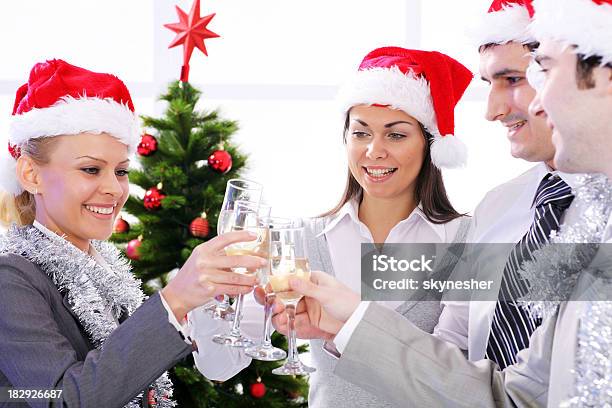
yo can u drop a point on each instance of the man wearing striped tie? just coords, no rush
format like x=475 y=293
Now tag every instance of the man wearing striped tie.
x=524 y=210
x=567 y=362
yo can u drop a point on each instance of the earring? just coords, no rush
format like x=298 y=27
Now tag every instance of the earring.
x=35 y=191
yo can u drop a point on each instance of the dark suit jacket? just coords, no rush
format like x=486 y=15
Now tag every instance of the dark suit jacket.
x=42 y=344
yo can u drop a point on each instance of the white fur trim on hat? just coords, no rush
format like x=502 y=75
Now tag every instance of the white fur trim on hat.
x=8 y=170
x=72 y=116
x=448 y=152
x=511 y=24
x=408 y=93
x=582 y=23
x=391 y=87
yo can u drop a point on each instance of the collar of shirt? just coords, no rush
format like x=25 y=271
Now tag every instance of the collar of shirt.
x=570 y=178
x=350 y=210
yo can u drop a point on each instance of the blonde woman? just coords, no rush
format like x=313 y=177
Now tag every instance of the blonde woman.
x=72 y=316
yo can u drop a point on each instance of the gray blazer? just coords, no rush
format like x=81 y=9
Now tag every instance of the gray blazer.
x=396 y=361
x=42 y=344
x=326 y=388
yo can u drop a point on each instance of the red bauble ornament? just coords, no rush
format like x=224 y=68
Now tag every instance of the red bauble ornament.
x=121 y=226
x=147 y=145
x=132 y=249
x=220 y=161
x=199 y=227
x=153 y=197
x=258 y=390
x=151 y=398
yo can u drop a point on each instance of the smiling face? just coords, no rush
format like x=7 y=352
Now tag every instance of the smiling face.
x=83 y=187
x=504 y=68
x=579 y=114
x=385 y=149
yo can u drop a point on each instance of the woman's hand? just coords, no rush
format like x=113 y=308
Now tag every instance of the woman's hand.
x=327 y=305
x=207 y=273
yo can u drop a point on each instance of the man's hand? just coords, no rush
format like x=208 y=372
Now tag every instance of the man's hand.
x=326 y=306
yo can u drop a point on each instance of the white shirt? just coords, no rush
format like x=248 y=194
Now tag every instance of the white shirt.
x=344 y=234
x=503 y=216
x=98 y=258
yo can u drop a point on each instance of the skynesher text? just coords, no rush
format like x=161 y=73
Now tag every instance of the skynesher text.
x=431 y=284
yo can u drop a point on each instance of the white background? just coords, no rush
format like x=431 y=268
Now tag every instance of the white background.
x=275 y=70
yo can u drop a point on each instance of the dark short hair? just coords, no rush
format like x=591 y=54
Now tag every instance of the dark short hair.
x=584 y=70
x=429 y=191
x=530 y=46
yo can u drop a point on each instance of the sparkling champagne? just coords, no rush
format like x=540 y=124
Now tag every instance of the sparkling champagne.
x=258 y=247
x=282 y=271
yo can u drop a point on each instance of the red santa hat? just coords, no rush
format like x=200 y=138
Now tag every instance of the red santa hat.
x=506 y=21
x=425 y=84
x=62 y=99
x=586 y=24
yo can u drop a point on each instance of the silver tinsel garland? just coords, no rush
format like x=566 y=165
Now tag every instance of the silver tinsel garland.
x=553 y=275
x=593 y=381
x=91 y=288
x=555 y=268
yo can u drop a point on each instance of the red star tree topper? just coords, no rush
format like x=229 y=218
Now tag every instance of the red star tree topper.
x=191 y=32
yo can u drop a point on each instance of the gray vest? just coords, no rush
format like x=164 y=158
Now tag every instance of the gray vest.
x=328 y=390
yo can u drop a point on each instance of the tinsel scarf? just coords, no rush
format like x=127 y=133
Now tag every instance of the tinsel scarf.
x=553 y=275
x=91 y=289
x=554 y=271
x=593 y=372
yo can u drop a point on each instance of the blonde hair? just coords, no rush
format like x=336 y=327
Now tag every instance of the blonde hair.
x=21 y=209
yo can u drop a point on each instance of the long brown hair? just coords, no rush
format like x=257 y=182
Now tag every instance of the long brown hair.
x=21 y=209
x=429 y=191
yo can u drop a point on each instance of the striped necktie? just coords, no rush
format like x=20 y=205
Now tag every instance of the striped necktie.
x=512 y=325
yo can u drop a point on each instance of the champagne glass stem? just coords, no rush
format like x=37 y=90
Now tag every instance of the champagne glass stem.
x=267 y=337
x=292 y=349
x=266 y=351
x=238 y=316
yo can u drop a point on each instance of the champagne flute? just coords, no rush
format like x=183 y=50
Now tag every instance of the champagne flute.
x=252 y=217
x=235 y=190
x=265 y=351
x=289 y=259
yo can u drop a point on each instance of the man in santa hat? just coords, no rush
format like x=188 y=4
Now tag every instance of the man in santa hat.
x=572 y=73
x=523 y=210
x=573 y=76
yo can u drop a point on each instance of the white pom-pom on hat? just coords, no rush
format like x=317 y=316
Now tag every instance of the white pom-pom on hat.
x=8 y=169
x=448 y=152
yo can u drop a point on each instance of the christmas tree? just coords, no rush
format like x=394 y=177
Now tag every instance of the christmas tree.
x=185 y=165
x=182 y=185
